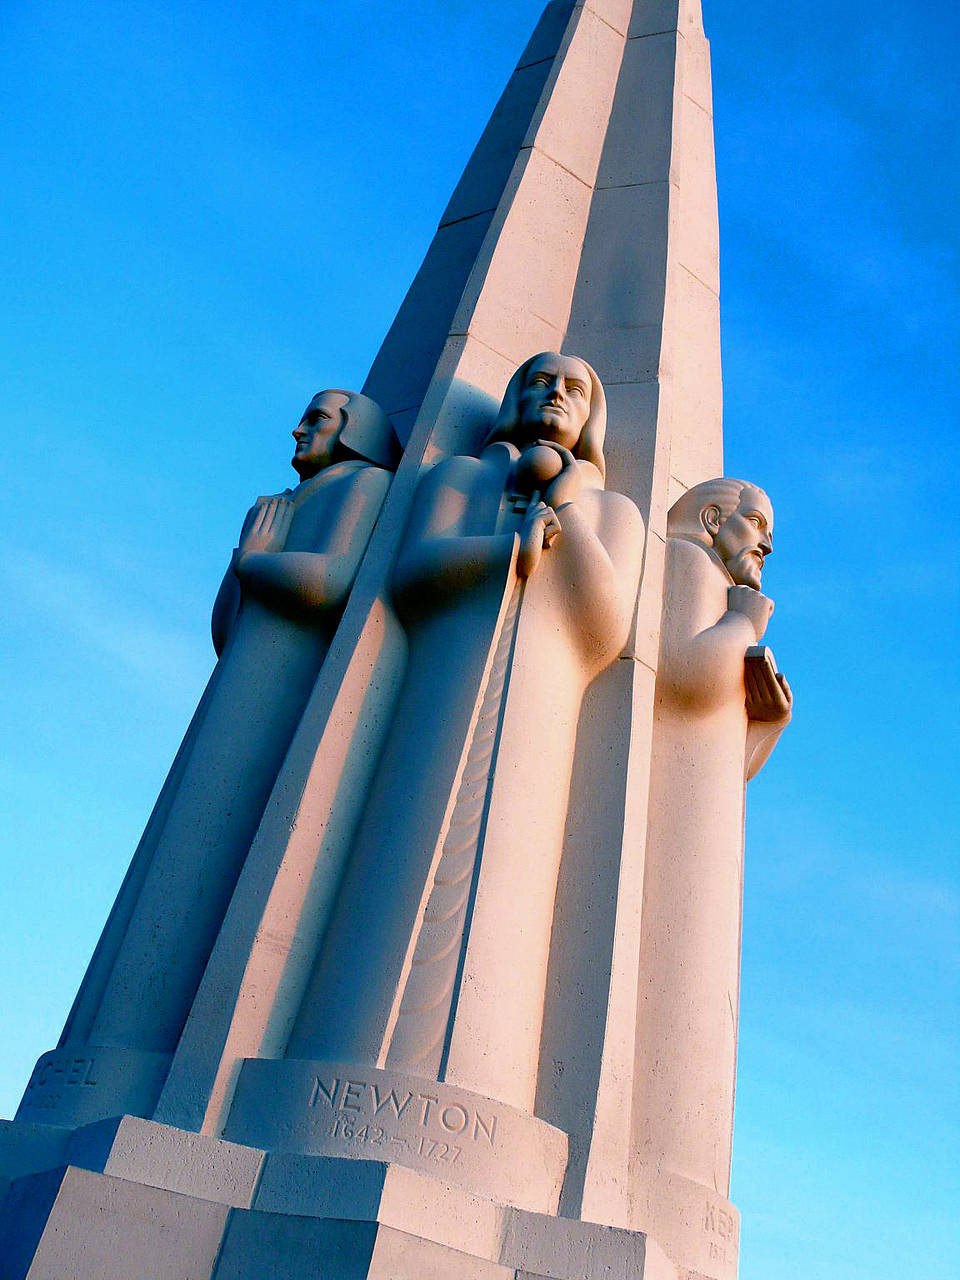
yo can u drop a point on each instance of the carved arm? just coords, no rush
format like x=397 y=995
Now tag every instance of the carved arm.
x=225 y=609
x=438 y=557
x=301 y=583
x=602 y=559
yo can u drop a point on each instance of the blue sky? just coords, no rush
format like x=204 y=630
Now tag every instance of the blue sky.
x=210 y=211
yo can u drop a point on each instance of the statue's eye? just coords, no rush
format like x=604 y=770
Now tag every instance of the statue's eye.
x=756 y=520
x=575 y=390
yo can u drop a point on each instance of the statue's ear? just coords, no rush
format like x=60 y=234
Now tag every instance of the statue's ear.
x=710 y=519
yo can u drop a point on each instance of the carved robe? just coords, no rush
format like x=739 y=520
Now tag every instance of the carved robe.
x=143 y=978
x=436 y=957
x=704 y=747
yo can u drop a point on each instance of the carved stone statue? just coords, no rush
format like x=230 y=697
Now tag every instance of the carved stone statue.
x=515 y=581
x=273 y=619
x=721 y=706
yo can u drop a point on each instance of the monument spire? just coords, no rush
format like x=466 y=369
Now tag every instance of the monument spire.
x=433 y=933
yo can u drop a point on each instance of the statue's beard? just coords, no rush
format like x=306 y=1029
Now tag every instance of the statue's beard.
x=746 y=568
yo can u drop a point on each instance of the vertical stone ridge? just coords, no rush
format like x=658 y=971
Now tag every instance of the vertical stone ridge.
x=402 y=370
x=422 y=1029
x=517 y=299
x=646 y=314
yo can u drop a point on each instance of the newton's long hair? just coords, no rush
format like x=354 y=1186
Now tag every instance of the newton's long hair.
x=590 y=445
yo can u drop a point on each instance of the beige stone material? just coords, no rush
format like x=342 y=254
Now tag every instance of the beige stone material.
x=285 y=896
x=427 y=962
x=273 y=619
x=534 y=597
x=157 y=1155
x=419 y=1206
x=357 y=1112
x=27 y=1148
x=261 y=1248
x=653 y=208
x=85 y=1083
x=706 y=742
x=71 y=1224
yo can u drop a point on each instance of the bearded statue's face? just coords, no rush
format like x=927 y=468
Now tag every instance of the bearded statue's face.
x=745 y=538
x=555 y=401
x=317 y=432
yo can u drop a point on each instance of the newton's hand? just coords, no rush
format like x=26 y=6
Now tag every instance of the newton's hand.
x=540 y=526
x=541 y=514
x=566 y=487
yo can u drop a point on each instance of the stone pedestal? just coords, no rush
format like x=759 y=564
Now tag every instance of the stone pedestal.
x=130 y=1199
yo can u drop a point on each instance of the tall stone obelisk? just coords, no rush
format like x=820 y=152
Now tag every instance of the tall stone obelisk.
x=413 y=1033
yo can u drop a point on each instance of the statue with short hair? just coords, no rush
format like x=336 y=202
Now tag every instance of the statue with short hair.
x=273 y=620
x=516 y=581
x=720 y=707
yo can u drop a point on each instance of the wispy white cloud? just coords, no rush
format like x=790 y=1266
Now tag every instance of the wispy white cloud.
x=920 y=898
x=89 y=611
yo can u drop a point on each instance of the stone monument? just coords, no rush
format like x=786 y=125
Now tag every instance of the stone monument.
x=427 y=963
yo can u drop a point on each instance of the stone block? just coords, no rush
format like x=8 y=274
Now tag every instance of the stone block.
x=699 y=1228
x=259 y=1246
x=398 y=1256
x=548 y=34
x=652 y=16
x=615 y=13
x=30 y=1148
x=695 y=77
x=568 y=1250
x=696 y=240
x=418 y=1208
x=634 y=448
x=692 y=363
x=489 y=168
x=73 y=1224
x=639 y=141
x=458 y=1137
x=373 y=1190
x=24 y=1210
x=159 y=1155
x=573 y=122
x=518 y=298
x=623 y=271
x=401 y=373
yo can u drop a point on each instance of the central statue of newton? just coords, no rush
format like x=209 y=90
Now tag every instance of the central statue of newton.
x=273 y=619
x=515 y=581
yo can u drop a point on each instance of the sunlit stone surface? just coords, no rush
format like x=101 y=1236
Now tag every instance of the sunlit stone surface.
x=427 y=964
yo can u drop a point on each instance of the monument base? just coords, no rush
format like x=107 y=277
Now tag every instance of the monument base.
x=460 y=1138
x=129 y=1199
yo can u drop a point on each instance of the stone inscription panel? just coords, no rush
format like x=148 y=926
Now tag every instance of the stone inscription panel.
x=370 y=1114
x=54 y=1074
x=418 y=1121
x=80 y=1086
x=723 y=1233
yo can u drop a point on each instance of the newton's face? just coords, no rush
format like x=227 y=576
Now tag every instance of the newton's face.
x=555 y=400
x=317 y=432
x=745 y=538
